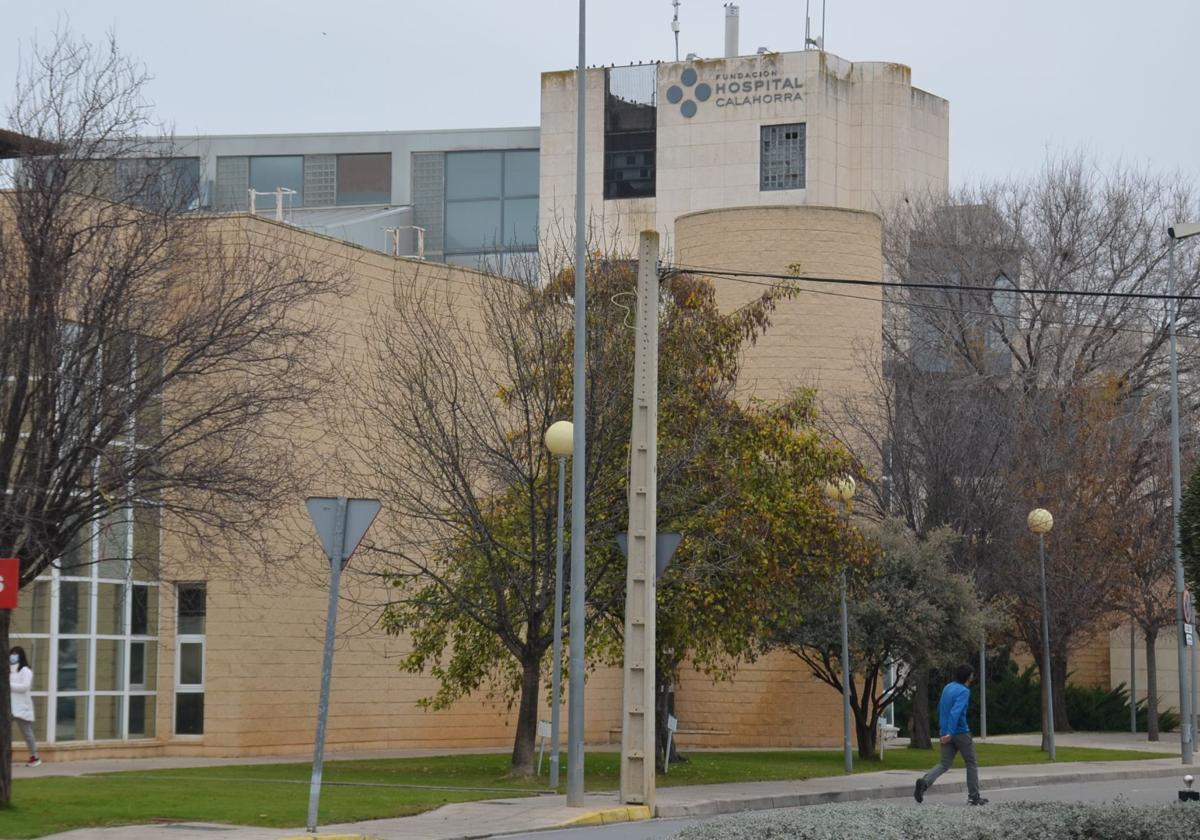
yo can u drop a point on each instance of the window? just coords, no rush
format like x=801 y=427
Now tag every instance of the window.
x=491 y=208
x=630 y=132
x=364 y=179
x=782 y=157
x=164 y=183
x=90 y=624
x=191 y=604
x=268 y=174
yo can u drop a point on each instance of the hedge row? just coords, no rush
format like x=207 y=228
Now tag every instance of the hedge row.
x=1024 y=820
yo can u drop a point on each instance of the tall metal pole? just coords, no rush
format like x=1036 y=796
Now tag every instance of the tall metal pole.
x=1185 y=700
x=1133 y=678
x=556 y=672
x=983 y=685
x=335 y=563
x=579 y=470
x=1048 y=687
x=847 y=676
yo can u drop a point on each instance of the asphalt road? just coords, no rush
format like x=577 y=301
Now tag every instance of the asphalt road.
x=1133 y=790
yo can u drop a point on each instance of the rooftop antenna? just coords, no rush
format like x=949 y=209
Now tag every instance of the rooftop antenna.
x=809 y=41
x=675 y=27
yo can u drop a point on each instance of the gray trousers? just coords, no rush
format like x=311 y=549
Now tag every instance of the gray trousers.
x=960 y=743
x=26 y=727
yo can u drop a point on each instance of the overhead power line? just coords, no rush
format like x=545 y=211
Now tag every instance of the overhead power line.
x=949 y=287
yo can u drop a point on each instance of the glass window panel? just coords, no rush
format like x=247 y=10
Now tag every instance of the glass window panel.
x=37 y=651
x=70 y=719
x=110 y=665
x=137 y=665
x=269 y=173
x=114 y=544
x=520 y=222
x=189 y=714
x=149 y=665
x=490 y=262
x=110 y=609
x=473 y=175
x=107 y=721
x=147 y=535
x=521 y=173
x=39 y=728
x=72 y=665
x=144 y=611
x=193 y=607
x=472 y=225
x=77 y=559
x=364 y=179
x=782 y=154
x=73 y=602
x=33 y=614
x=191 y=663
x=141 y=716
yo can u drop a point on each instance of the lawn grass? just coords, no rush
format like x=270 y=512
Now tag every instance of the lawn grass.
x=276 y=795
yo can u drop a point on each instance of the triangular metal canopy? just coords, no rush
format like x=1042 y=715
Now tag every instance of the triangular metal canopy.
x=664 y=549
x=360 y=513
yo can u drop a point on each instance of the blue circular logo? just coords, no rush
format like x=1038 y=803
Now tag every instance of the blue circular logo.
x=701 y=92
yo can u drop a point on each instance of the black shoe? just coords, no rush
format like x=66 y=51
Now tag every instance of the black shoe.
x=919 y=791
x=977 y=800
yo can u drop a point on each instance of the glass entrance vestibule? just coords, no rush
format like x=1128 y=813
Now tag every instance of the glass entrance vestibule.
x=90 y=628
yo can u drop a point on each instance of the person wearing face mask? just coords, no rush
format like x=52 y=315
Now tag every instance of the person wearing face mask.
x=20 y=680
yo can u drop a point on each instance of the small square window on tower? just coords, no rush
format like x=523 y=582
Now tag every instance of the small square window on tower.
x=781 y=157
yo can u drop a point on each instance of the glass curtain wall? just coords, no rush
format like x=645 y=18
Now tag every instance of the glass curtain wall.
x=491 y=209
x=90 y=626
x=91 y=630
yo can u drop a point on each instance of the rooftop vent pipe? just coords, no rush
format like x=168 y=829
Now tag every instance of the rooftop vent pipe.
x=731 y=30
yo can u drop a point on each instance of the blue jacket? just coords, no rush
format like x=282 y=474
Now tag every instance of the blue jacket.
x=952 y=709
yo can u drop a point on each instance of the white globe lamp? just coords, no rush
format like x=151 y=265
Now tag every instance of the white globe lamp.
x=560 y=438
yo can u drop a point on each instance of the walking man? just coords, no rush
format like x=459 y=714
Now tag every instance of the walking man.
x=956 y=736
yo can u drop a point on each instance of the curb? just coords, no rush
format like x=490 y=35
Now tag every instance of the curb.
x=608 y=816
x=329 y=837
x=715 y=807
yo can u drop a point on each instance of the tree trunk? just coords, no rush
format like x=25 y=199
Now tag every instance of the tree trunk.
x=5 y=716
x=1058 y=664
x=524 y=752
x=918 y=727
x=868 y=748
x=1151 y=684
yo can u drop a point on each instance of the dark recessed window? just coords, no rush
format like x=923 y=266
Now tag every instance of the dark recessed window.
x=630 y=132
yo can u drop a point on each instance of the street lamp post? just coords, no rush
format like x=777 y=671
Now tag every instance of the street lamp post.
x=575 y=707
x=1177 y=232
x=842 y=491
x=1040 y=522
x=560 y=441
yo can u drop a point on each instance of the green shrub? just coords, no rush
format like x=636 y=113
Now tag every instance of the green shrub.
x=1096 y=709
x=1015 y=705
x=1026 y=820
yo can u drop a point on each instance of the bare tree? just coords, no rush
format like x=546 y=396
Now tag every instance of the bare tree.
x=150 y=360
x=1016 y=352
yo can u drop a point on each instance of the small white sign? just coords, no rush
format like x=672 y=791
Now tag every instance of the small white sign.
x=1189 y=635
x=543 y=729
x=672 y=723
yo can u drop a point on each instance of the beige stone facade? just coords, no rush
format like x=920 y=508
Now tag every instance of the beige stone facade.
x=871 y=139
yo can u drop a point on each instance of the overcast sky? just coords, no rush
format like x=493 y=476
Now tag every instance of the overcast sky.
x=1023 y=76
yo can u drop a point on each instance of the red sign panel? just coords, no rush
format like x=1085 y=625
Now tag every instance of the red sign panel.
x=10 y=582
